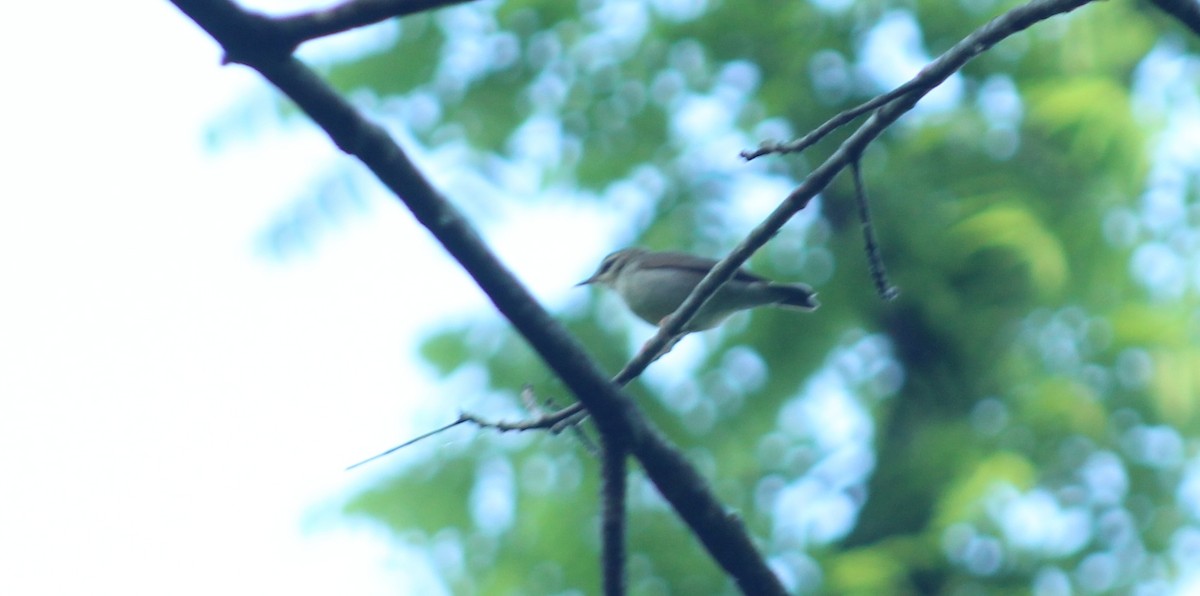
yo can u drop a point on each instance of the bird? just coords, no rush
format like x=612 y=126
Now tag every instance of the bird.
x=654 y=284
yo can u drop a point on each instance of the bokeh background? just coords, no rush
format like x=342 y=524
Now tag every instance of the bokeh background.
x=209 y=312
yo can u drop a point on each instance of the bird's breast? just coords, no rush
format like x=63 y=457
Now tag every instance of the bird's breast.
x=653 y=294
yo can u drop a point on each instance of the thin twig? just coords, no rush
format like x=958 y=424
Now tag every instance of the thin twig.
x=874 y=261
x=556 y=421
x=553 y=421
x=461 y=419
x=572 y=423
x=820 y=132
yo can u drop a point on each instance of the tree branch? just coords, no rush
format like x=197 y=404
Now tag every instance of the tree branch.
x=936 y=72
x=820 y=132
x=615 y=415
x=305 y=26
x=1186 y=11
x=461 y=419
x=259 y=42
x=612 y=525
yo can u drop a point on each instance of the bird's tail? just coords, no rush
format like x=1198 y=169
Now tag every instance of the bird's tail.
x=797 y=296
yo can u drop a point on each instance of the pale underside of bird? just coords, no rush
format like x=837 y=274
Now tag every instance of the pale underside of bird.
x=654 y=284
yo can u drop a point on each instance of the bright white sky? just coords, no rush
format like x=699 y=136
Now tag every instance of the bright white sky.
x=176 y=410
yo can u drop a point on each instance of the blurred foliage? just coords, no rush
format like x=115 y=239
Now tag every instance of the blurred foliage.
x=1022 y=418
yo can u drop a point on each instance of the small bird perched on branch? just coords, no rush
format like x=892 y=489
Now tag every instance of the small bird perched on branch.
x=654 y=284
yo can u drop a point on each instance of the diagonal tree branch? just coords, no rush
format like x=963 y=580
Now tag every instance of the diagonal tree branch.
x=722 y=534
x=302 y=27
x=614 y=413
x=259 y=42
x=991 y=33
x=1185 y=11
x=254 y=37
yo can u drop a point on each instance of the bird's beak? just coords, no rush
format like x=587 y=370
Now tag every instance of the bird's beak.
x=587 y=281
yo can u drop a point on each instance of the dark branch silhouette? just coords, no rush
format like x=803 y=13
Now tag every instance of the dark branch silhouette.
x=615 y=415
x=897 y=101
x=302 y=27
x=461 y=420
x=265 y=45
x=1185 y=11
x=612 y=524
x=1013 y=21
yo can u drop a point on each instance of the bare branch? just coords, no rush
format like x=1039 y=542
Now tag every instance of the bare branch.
x=255 y=37
x=1011 y=22
x=554 y=421
x=302 y=27
x=551 y=421
x=926 y=80
x=616 y=416
x=258 y=42
x=1186 y=11
x=571 y=422
x=820 y=132
x=612 y=525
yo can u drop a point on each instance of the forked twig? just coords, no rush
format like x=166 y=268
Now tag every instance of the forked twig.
x=555 y=421
x=842 y=118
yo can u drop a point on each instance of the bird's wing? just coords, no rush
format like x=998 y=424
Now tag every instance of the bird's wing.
x=700 y=265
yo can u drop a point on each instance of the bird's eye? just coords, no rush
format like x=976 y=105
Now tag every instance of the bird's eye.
x=607 y=265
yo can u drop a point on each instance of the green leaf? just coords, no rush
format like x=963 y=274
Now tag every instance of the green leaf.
x=1012 y=228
